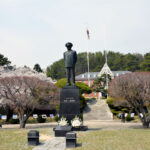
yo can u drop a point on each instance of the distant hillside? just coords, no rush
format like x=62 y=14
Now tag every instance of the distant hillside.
x=116 y=61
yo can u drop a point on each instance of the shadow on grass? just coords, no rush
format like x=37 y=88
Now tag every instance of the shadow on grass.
x=89 y=102
x=136 y=127
x=94 y=129
x=87 y=109
x=41 y=126
x=79 y=145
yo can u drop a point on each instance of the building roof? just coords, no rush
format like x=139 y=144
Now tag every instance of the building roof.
x=106 y=70
x=94 y=75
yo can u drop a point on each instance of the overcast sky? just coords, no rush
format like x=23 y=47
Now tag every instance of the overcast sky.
x=35 y=31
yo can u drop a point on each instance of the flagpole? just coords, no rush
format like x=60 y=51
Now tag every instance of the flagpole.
x=105 y=51
x=88 y=63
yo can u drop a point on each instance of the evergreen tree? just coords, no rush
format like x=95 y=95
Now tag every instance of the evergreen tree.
x=4 y=60
x=145 y=65
x=116 y=61
x=56 y=70
x=37 y=68
x=99 y=84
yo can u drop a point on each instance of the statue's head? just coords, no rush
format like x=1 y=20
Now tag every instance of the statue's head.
x=69 y=45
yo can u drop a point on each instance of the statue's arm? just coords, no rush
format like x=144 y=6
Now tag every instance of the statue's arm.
x=75 y=57
x=64 y=57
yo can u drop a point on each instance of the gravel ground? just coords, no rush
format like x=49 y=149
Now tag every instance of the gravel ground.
x=92 y=124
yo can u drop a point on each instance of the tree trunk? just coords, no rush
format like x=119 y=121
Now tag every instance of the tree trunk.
x=22 y=123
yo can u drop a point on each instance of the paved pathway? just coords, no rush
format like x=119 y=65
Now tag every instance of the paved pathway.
x=55 y=143
x=103 y=124
x=97 y=110
x=31 y=126
x=110 y=125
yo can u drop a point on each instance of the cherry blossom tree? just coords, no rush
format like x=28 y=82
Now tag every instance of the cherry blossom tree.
x=135 y=89
x=24 y=93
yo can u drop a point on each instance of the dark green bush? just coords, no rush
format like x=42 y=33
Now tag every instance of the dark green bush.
x=40 y=119
x=82 y=102
x=81 y=116
x=56 y=118
x=125 y=110
x=129 y=118
x=13 y=121
x=32 y=120
x=114 y=112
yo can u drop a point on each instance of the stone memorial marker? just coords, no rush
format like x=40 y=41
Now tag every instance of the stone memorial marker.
x=51 y=115
x=35 y=116
x=69 y=95
x=33 y=137
x=69 y=102
x=44 y=116
x=132 y=115
x=4 y=117
x=15 y=116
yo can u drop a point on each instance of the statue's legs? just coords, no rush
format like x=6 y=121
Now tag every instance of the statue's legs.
x=68 y=74
x=73 y=75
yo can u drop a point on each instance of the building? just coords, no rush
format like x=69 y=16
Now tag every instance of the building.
x=88 y=78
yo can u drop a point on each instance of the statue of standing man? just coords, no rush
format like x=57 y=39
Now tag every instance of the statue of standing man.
x=70 y=58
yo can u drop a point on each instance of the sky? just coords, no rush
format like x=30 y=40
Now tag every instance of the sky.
x=35 y=31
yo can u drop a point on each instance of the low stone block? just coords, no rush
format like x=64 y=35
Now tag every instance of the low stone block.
x=81 y=128
x=33 y=137
x=71 y=140
x=60 y=131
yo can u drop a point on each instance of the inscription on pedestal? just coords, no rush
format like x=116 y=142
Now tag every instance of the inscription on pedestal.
x=69 y=102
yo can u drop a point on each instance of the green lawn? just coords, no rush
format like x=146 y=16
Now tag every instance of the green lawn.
x=127 y=139
x=16 y=139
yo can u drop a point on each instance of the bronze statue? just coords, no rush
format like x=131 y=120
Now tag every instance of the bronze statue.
x=70 y=58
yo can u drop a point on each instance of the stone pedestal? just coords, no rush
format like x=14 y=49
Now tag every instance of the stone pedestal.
x=69 y=102
x=33 y=137
x=71 y=140
x=60 y=131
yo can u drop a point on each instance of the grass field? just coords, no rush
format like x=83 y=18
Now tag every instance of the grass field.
x=127 y=139
x=16 y=139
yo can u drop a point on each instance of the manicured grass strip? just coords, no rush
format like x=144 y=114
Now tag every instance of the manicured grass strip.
x=131 y=139
x=16 y=139
x=127 y=139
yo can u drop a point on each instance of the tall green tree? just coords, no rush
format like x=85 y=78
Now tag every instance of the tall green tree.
x=4 y=60
x=145 y=65
x=56 y=70
x=37 y=68
x=116 y=61
x=99 y=84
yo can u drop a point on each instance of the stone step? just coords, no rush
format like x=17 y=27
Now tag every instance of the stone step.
x=97 y=110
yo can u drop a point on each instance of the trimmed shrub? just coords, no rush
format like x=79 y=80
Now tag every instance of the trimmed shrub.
x=115 y=113
x=129 y=118
x=56 y=118
x=40 y=119
x=82 y=102
x=31 y=120
x=125 y=110
x=13 y=121
x=81 y=116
